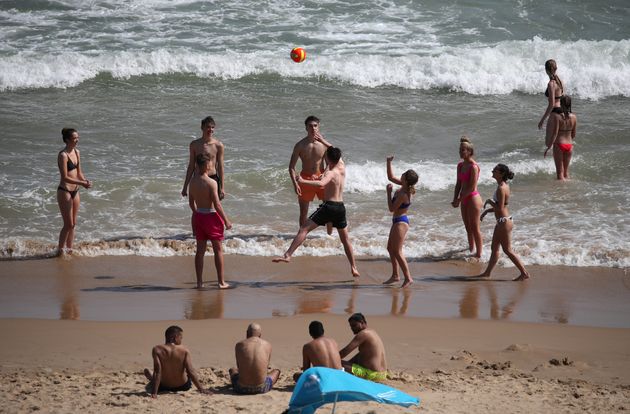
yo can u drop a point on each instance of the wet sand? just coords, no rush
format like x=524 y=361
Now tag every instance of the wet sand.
x=131 y=288
x=81 y=331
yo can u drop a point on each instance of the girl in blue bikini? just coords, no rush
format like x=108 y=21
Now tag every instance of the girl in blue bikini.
x=398 y=205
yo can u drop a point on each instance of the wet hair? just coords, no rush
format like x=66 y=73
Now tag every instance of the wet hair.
x=206 y=121
x=316 y=329
x=467 y=143
x=171 y=332
x=202 y=159
x=66 y=133
x=357 y=317
x=411 y=178
x=565 y=105
x=551 y=67
x=311 y=118
x=505 y=172
x=333 y=154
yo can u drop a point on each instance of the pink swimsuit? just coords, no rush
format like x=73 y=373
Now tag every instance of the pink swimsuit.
x=463 y=177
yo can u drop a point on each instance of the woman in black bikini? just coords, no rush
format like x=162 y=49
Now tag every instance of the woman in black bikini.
x=554 y=92
x=69 y=162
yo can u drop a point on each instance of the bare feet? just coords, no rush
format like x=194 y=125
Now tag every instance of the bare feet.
x=199 y=285
x=224 y=285
x=481 y=276
x=148 y=374
x=355 y=272
x=521 y=277
x=391 y=280
x=406 y=283
x=285 y=259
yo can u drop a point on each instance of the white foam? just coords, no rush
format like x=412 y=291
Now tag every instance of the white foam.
x=590 y=69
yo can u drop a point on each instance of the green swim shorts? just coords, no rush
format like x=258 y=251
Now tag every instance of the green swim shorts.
x=368 y=374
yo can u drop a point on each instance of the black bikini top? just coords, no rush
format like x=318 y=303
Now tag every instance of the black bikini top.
x=547 y=94
x=71 y=165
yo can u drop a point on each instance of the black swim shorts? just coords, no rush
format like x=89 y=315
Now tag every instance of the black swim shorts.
x=330 y=211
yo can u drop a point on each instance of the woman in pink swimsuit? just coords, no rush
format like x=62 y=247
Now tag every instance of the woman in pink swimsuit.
x=561 y=136
x=467 y=197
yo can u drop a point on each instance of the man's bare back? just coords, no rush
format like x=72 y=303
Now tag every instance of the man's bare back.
x=172 y=365
x=371 y=351
x=252 y=359
x=321 y=352
x=172 y=360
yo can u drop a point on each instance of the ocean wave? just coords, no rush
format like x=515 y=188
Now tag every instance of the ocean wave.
x=590 y=69
x=532 y=251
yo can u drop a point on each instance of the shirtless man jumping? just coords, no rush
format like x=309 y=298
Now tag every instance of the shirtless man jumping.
x=172 y=366
x=332 y=210
x=207 y=144
x=310 y=151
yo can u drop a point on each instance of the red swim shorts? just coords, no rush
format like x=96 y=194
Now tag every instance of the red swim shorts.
x=310 y=191
x=207 y=226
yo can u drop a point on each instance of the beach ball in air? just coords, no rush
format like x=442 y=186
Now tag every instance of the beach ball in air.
x=298 y=54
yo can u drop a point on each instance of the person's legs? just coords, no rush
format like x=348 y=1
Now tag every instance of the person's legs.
x=473 y=212
x=494 y=256
x=303 y=211
x=402 y=229
x=217 y=249
x=274 y=374
x=566 y=160
x=65 y=203
x=201 y=251
x=392 y=242
x=297 y=241
x=506 y=244
x=557 y=159
x=471 y=241
x=347 y=247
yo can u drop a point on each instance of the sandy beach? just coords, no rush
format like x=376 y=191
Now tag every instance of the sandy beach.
x=81 y=331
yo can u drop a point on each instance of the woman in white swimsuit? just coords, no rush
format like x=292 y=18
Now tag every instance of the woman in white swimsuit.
x=502 y=236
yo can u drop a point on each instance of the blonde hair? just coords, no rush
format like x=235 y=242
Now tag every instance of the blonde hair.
x=467 y=143
x=551 y=67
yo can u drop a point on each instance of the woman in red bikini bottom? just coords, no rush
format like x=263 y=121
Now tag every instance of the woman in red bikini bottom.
x=561 y=136
x=467 y=197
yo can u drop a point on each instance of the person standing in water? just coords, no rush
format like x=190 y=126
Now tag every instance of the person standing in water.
x=398 y=205
x=561 y=136
x=467 y=197
x=502 y=236
x=68 y=198
x=554 y=92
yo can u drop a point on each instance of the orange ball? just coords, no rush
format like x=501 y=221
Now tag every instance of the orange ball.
x=298 y=54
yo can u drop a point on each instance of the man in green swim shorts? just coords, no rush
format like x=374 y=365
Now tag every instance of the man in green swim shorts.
x=369 y=363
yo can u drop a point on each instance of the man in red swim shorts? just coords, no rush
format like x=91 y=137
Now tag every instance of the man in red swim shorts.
x=310 y=150
x=208 y=218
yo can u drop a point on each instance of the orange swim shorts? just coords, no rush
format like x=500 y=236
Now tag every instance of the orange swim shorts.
x=310 y=191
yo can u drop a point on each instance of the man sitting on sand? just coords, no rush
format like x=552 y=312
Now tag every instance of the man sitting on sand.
x=320 y=352
x=252 y=359
x=370 y=362
x=331 y=210
x=208 y=219
x=172 y=366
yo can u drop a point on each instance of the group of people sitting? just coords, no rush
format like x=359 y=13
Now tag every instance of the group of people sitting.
x=173 y=370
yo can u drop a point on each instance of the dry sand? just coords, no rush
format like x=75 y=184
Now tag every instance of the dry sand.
x=479 y=357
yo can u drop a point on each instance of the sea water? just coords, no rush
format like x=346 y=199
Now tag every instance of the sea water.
x=402 y=78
